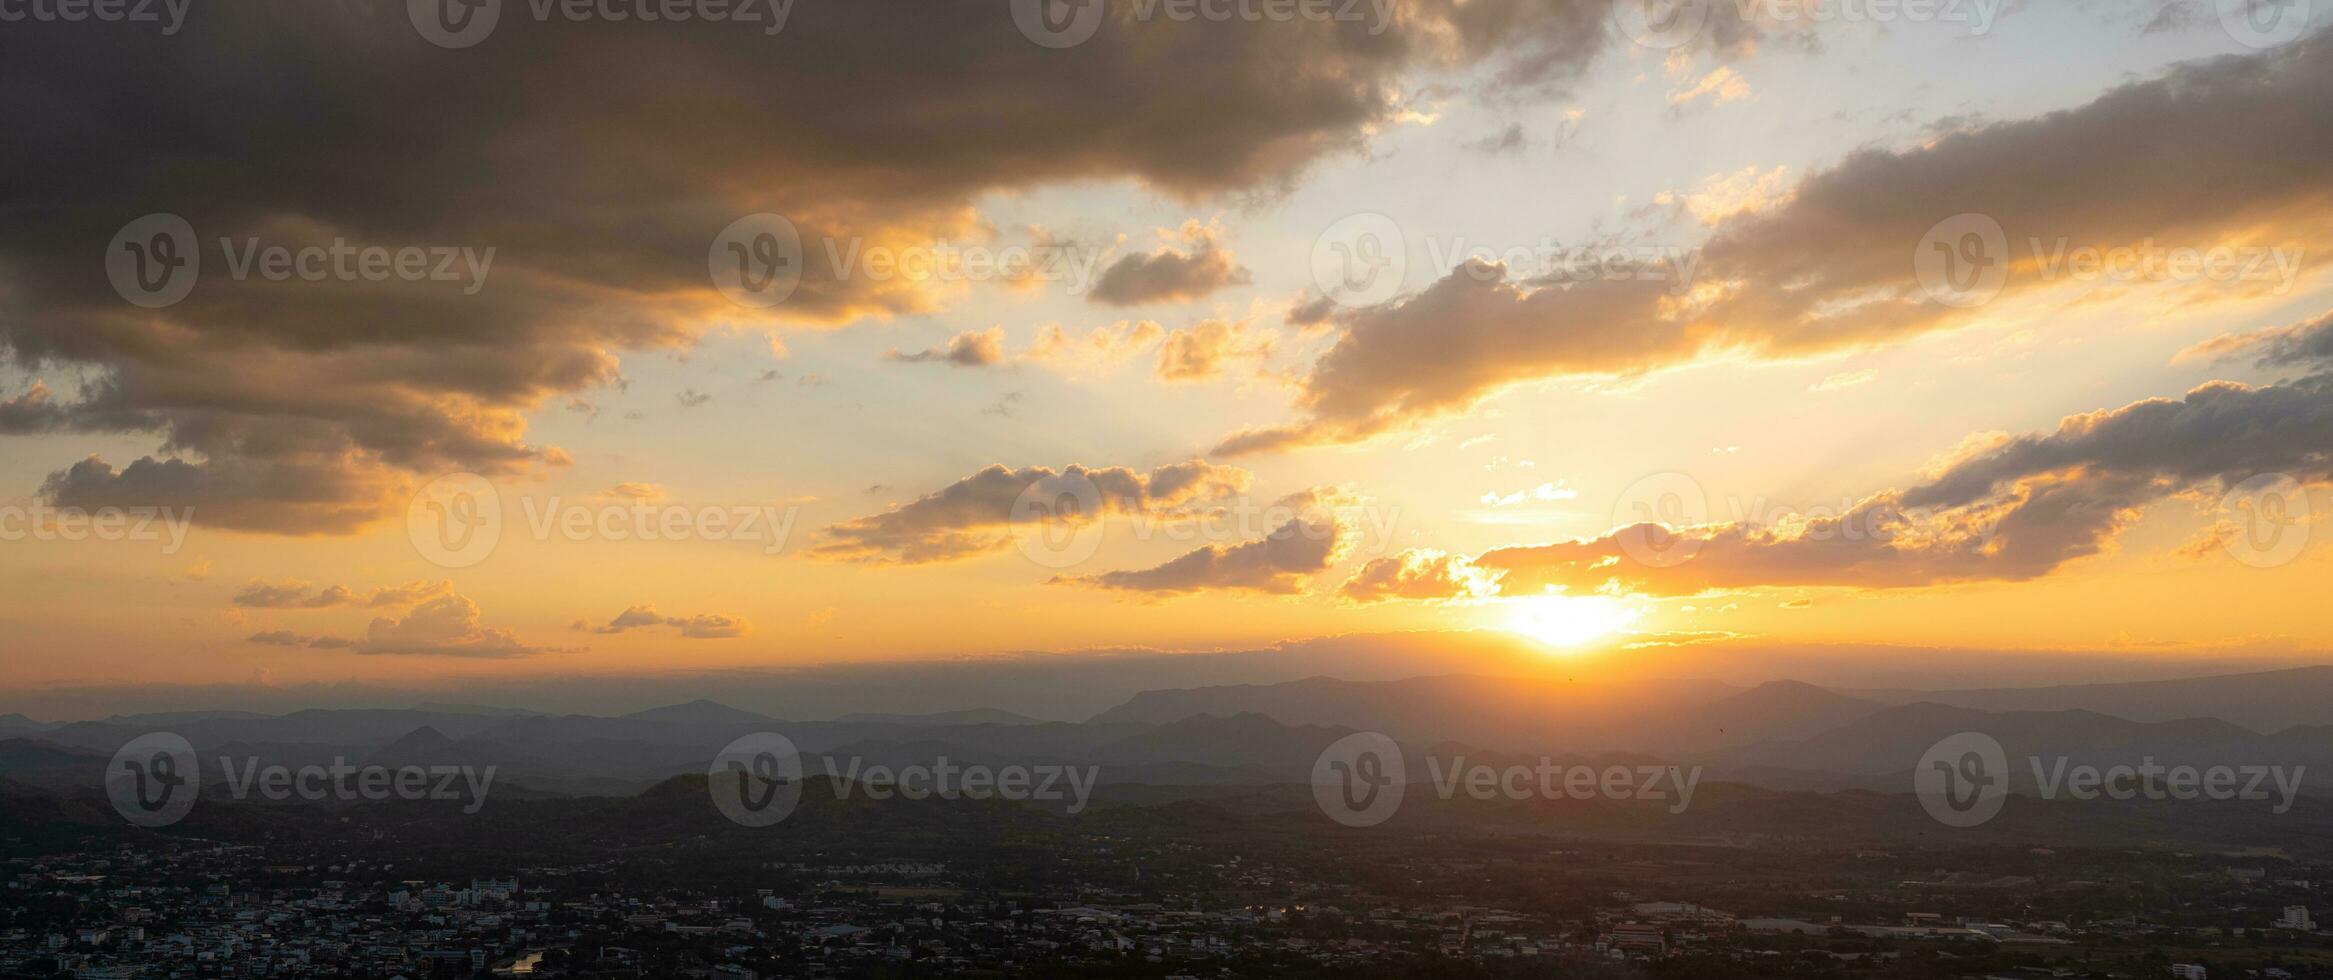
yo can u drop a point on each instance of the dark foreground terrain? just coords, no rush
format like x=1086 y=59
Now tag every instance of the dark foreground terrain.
x=1157 y=882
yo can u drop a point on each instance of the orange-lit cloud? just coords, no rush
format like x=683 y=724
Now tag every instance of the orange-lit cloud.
x=2226 y=152
x=2007 y=510
x=1281 y=562
x=311 y=407
x=974 y=515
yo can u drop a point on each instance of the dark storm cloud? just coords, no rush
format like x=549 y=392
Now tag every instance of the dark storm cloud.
x=598 y=160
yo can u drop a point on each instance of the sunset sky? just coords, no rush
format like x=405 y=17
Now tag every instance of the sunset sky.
x=2060 y=460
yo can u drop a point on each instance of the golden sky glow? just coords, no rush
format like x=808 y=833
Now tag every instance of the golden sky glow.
x=1639 y=298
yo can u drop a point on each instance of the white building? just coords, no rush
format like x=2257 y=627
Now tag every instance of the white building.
x=2297 y=917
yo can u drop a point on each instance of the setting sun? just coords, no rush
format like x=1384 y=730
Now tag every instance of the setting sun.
x=1567 y=621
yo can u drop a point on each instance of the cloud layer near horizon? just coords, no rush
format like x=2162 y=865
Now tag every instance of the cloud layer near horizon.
x=2004 y=509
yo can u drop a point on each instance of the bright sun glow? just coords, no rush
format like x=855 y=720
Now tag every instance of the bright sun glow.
x=1567 y=621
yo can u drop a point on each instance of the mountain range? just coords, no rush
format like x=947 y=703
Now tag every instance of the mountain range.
x=1780 y=735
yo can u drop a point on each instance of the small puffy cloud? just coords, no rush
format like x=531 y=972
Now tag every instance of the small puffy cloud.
x=704 y=626
x=1311 y=539
x=260 y=595
x=974 y=515
x=30 y=412
x=1312 y=315
x=1545 y=492
x=645 y=493
x=297 y=595
x=287 y=638
x=408 y=593
x=1202 y=352
x=1100 y=347
x=448 y=626
x=1171 y=274
x=287 y=493
x=1719 y=87
x=1745 y=191
x=1418 y=574
x=1508 y=140
x=700 y=627
x=279 y=638
x=972 y=348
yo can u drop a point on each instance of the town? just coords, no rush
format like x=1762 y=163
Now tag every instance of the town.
x=1077 y=900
